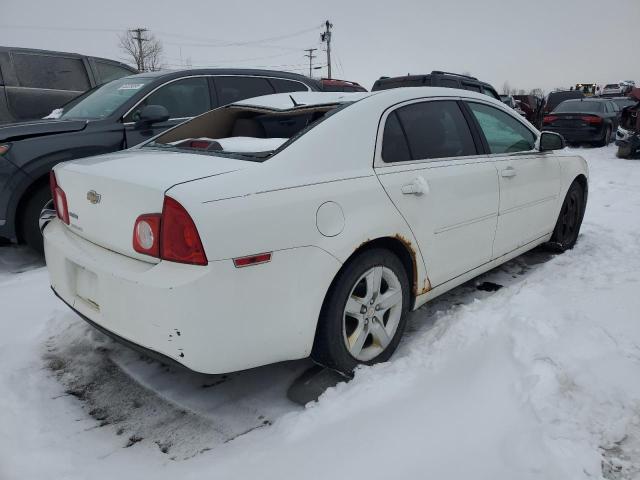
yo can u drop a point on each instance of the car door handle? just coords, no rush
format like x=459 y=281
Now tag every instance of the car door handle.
x=418 y=186
x=508 y=172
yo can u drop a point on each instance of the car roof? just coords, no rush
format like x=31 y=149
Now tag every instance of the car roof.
x=65 y=54
x=285 y=101
x=169 y=74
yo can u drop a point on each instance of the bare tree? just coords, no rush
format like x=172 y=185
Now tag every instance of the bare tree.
x=506 y=88
x=538 y=92
x=144 y=52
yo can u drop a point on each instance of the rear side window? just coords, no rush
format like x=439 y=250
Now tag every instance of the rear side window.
x=491 y=93
x=50 y=71
x=435 y=129
x=472 y=87
x=449 y=83
x=109 y=71
x=282 y=86
x=234 y=89
x=394 y=141
x=504 y=133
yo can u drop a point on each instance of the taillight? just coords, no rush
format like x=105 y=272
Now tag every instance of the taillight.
x=4 y=149
x=179 y=238
x=592 y=119
x=59 y=198
x=146 y=234
x=549 y=119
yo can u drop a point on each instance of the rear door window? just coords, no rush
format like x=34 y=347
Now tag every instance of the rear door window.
x=234 y=89
x=504 y=133
x=50 y=71
x=435 y=129
x=449 y=83
x=471 y=86
x=109 y=71
x=282 y=86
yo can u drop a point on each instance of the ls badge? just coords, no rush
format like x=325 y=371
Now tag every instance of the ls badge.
x=93 y=196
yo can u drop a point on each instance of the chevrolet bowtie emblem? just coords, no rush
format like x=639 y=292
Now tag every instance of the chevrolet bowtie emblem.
x=93 y=196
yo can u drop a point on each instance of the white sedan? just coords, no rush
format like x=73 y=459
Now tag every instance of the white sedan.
x=306 y=224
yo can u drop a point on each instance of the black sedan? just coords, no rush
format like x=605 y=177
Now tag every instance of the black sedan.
x=115 y=116
x=586 y=120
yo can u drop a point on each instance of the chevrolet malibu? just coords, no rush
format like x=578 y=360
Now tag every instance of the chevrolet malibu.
x=308 y=224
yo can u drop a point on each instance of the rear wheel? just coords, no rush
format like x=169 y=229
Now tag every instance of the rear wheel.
x=29 y=228
x=606 y=139
x=565 y=233
x=364 y=314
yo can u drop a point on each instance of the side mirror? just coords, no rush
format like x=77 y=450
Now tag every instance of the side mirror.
x=550 y=141
x=151 y=114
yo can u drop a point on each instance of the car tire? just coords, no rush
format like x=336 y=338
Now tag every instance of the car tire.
x=565 y=234
x=606 y=139
x=29 y=229
x=624 y=151
x=376 y=285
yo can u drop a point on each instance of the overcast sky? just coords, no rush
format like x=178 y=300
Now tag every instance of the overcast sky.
x=529 y=43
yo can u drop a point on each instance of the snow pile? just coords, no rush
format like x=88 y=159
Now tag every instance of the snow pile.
x=538 y=379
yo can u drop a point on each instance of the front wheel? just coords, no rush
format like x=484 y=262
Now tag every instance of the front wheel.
x=30 y=220
x=565 y=233
x=624 y=151
x=364 y=314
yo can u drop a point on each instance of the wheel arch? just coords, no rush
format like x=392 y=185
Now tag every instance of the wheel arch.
x=22 y=200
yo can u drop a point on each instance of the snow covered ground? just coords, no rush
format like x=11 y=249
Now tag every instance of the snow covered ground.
x=539 y=379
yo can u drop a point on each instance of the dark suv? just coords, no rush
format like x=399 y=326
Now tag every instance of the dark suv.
x=111 y=117
x=34 y=82
x=437 y=78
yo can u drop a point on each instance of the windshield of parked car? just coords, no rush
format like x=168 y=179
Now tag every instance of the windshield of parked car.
x=579 y=106
x=104 y=100
x=241 y=131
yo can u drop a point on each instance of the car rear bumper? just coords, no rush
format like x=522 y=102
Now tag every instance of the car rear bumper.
x=210 y=319
x=589 y=134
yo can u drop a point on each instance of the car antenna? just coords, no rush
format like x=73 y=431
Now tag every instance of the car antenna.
x=296 y=104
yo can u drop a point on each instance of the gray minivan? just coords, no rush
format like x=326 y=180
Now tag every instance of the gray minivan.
x=35 y=82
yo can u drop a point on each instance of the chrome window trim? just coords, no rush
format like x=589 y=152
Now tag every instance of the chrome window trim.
x=200 y=76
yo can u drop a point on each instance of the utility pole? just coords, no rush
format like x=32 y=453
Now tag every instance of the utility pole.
x=138 y=37
x=311 y=56
x=326 y=37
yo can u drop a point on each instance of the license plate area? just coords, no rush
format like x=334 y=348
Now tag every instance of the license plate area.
x=86 y=287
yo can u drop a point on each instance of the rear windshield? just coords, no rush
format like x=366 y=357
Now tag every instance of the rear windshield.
x=612 y=85
x=623 y=102
x=556 y=98
x=579 y=106
x=245 y=132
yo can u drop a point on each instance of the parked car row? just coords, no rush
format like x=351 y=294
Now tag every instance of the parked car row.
x=114 y=116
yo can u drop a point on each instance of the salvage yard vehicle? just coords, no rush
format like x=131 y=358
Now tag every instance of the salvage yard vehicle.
x=304 y=224
x=556 y=98
x=35 y=82
x=591 y=120
x=437 y=78
x=114 y=116
x=628 y=133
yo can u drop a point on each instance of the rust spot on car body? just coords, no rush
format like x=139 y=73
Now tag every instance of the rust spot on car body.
x=412 y=252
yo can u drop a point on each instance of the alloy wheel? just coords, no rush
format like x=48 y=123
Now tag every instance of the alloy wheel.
x=372 y=313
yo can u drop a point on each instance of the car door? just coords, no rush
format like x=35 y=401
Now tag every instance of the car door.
x=183 y=98
x=428 y=162
x=529 y=180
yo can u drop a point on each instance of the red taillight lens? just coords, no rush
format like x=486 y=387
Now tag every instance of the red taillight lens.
x=59 y=198
x=146 y=234
x=549 y=119
x=179 y=238
x=252 y=260
x=592 y=119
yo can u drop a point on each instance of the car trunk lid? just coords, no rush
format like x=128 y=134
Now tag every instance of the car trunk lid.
x=106 y=194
